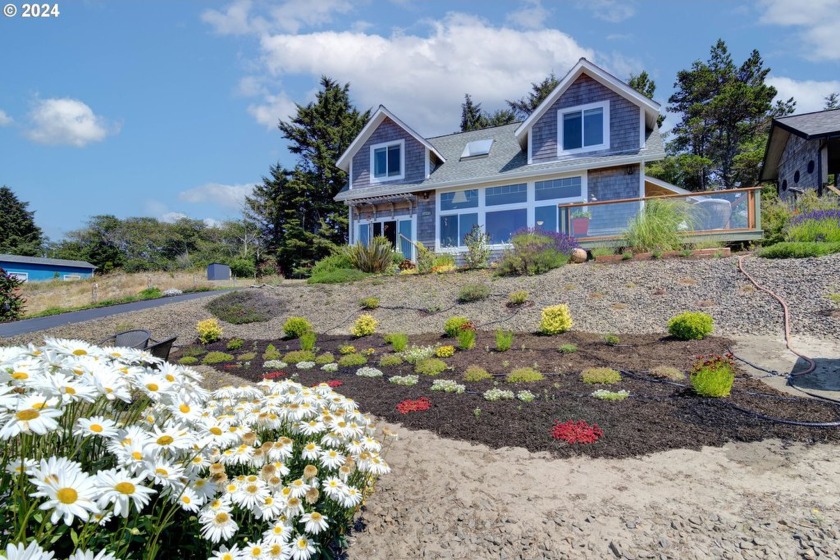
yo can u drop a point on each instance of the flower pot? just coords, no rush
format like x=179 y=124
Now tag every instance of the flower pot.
x=580 y=226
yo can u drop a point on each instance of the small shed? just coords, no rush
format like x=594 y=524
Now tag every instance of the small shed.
x=218 y=271
x=36 y=269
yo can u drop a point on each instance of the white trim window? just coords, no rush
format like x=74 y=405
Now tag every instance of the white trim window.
x=457 y=214
x=584 y=128
x=22 y=276
x=548 y=194
x=387 y=161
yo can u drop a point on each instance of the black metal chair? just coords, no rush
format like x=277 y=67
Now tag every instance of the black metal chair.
x=161 y=348
x=137 y=338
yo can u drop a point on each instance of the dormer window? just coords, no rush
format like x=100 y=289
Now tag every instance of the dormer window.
x=387 y=161
x=584 y=128
x=477 y=148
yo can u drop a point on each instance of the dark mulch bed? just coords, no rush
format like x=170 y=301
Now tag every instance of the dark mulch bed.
x=658 y=416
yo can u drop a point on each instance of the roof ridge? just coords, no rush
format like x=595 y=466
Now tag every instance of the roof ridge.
x=471 y=131
x=806 y=114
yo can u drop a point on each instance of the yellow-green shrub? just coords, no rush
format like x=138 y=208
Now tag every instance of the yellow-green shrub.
x=691 y=325
x=208 y=331
x=430 y=366
x=271 y=353
x=246 y=357
x=476 y=373
x=453 y=325
x=345 y=349
x=296 y=326
x=365 y=325
x=325 y=358
x=713 y=376
x=296 y=356
x=445 y=351
x=235 y=344
x=216 y=358
x=555 y=319
x=524 y=375
x=188 y=360
x=352 y=360
x=390 y=360
x=602 y=375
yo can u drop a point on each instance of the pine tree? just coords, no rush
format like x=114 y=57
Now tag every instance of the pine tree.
x=471 y=116
x=18 y=233
x=524 y=106
x=832 y=102
x=647 y=87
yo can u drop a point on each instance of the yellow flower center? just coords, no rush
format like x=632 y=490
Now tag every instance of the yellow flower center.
x=39 y=406
x=96 y=428
x=227 y=556
x=186 y=499
x=136 y=455
x=256 y=552
x=78 y=371
x=126 y=488
x=79 y=352
x=20 y=375
x=276 y=549
x=152 y=387
x=161 y=471
x=165 y=440
x=251 y=488
x=67 y=496
x=170 y=377
x=222 y=517
x=185 y=408
x=315 y=516
x=70 y=390
x=216 y=431
x=27 y=415
x=302 y=543
x=231 y=487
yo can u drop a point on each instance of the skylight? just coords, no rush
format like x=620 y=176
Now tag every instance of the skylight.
x=477 y=148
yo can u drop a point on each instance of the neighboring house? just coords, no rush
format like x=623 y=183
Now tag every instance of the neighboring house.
x=34 y=269
x=802 y=151
x=589 y=140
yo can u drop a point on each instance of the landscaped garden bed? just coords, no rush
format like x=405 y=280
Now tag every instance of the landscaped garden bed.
x=658 y=414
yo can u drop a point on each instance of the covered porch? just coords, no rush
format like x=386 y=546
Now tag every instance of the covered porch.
x=723 y=215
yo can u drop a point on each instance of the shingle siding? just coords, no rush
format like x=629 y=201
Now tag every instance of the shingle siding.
x=415 y=155
x=797 y=155
x=426 y=221
x=624 y=121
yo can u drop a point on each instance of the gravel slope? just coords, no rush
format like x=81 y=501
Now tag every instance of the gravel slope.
x=636 y=297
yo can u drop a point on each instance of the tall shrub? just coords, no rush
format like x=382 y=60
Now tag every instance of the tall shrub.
x=478 y=248
x=535 y=251
x=376 y=257
x=656 y=227
x=11 y=302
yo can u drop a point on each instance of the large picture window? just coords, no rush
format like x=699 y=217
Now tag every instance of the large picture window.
x=387 y=162
x=500 y=225
x=584 y=128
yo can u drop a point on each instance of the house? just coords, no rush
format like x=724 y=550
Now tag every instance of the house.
x=802 y=151
x=35 y=269
x=589 y=140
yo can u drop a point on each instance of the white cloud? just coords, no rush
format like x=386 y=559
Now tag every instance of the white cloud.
x=818 y=21
x=423 y=77
x=227 y=196
x=809 y=94
x=212 y=223
x=239 y=18
x=273 y=108
x=532 y=15
x=68 y=122
x=613 y=11
x=172 y=217
x=5 y=120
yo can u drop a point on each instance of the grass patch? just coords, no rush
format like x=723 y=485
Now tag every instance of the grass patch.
x=296 y=356
x=188 y=361
x=337 y=276
x=352 y=360
x=524 y=375
x=244 y=306
x=601 y=375
x=567 y=349
x=798 y=250
x=476 y=373
x=50 y=311
x=430 y=366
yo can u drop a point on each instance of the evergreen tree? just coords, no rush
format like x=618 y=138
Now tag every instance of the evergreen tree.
x=832 y=102
x=500 y=117
x=471 y=115
x=524 y=106
x=18 y=233
x=647 y=87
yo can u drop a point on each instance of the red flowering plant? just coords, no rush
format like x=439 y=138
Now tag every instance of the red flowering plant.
x=273 y=375
x=578 y=431
x=417 y=405
x=332 y=383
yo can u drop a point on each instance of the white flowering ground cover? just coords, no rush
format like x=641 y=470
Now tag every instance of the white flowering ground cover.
x=110 y=453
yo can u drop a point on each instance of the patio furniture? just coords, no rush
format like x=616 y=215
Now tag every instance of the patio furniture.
x=712 y=213
x=161 y=348
x=137 y=338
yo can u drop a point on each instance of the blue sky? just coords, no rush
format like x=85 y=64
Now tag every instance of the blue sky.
x=165 y=108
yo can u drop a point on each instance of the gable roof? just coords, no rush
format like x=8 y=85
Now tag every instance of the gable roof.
x=48 y=262
x=583 y=66
x=808 y=126
x=376 y=119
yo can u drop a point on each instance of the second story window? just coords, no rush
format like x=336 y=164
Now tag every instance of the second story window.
x=387 y=161
x=584 y=128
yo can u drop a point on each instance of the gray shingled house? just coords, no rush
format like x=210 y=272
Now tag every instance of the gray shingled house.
x=802 y=151
x=588 y=141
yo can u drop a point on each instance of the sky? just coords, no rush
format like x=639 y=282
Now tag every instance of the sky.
x=169 y=108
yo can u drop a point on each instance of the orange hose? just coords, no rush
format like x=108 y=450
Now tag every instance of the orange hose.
x=812 y=365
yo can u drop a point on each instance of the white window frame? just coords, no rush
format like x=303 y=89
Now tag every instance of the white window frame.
x=22 y=276
x=482 y=209
x=605 y=105
x=71 y=277
x=398 y=219
x=386 y=145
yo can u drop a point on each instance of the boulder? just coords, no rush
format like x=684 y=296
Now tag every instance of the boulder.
x=578 y=255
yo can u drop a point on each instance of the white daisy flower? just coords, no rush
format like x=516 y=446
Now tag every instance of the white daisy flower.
x=32 y=552
x=314 y=522
x=218 y=526
x=311 y=451
x=189 y=500
x=121 y=489
x=96 y=426
x=351 y=497
x=253 y=551
x=88 y=555
x=331 y=458
x=33 y=413
x=279 y=533
x=302 y=548
x=225 y=553
x=69 y=495
x=278 y=551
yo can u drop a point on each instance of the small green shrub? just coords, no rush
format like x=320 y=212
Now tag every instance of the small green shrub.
x=473 y=292
x=188 y=360
x=445 y=351
x=308 y=340
x=476 y=373
x=271 y=353
x=713 y=376
x=235 y=344
x=518 y=297
x=294 y=327
x=398 y=341
x=602 y=251
x=369 y=303
x=331 y=263
x=504 y=340
x=246 y=357
x=691 y=325
x=535 y=252
x=12 y=303
x=466 y=339
x=524 y=375
x=376 y=257
x=245 y=306
x=345 y=349
x=567 y=348
x=193 y=351
x=150 y=293
x=390 y=360
x=798 y=250
x=667 y=372
x=338 y=276
x=611 y=340
x=296 y=356
x=325 y=358
x=208 y=331
x=430 y=366
x=365 y=325
x=416 y=354
x=555 y=319
x=352 y=360
x=453 y=325
x=601 y=375
x=478 y=248
x=606 y=395
x=216 y=358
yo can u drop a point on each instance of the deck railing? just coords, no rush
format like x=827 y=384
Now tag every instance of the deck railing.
x=708 y=213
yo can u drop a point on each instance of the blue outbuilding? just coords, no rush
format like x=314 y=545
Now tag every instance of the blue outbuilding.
x=218 y=271
x=36 y=269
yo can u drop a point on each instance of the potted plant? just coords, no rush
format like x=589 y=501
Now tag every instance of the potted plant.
x=580 y=221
